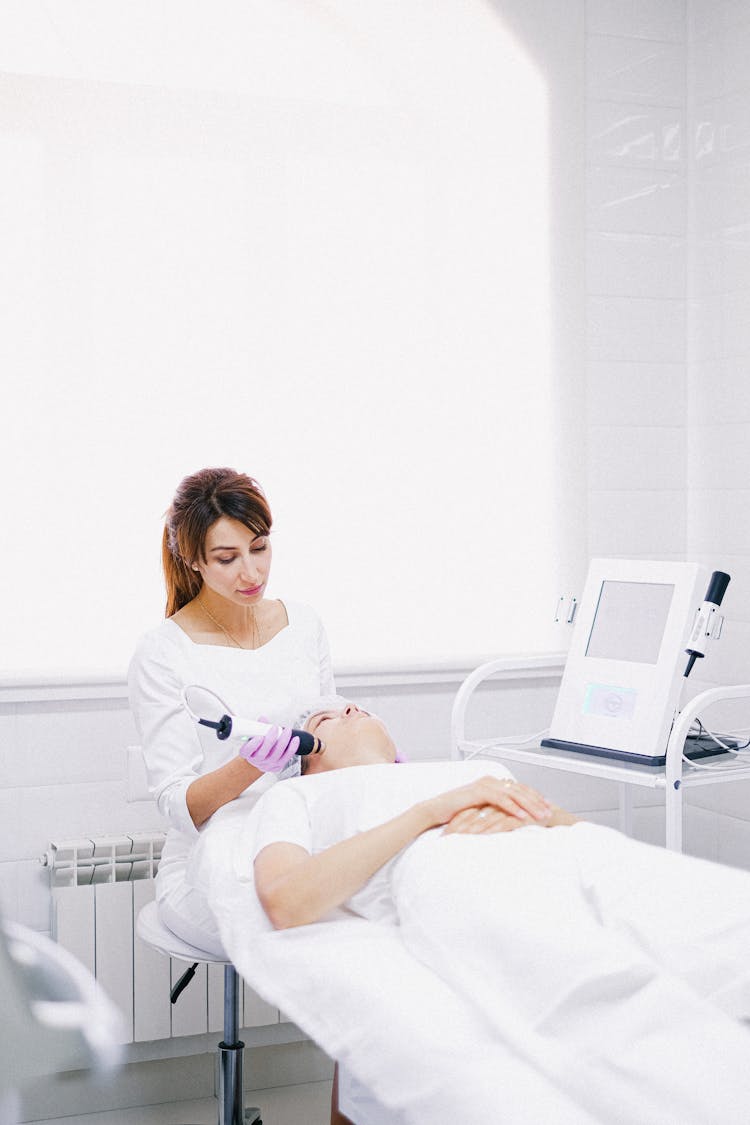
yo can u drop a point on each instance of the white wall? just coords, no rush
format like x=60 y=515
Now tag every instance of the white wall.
x=636 y=228
x=718 y=462
x=718 y=356
x=274 y=236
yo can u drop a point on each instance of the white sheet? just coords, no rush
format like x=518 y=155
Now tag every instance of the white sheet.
x=444 y=1022
x=369 y=1003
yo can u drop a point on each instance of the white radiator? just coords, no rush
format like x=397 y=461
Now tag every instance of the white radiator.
x=98 y=887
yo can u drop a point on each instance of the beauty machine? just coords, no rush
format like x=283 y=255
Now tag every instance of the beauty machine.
x=639 y=629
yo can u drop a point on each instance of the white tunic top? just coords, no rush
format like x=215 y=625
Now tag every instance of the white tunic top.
x=276 y=681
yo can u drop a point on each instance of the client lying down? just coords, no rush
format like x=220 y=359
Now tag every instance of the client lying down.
x=616 y=970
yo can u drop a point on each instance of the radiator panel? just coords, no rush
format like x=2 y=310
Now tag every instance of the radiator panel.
x=99 y=886
x=114 y=947
x=152 y=1018
x=74 y=923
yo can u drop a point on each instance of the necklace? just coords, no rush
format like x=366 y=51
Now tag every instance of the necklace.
x=230 y=636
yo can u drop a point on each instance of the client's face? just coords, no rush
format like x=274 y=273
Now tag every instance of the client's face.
x=352 y=738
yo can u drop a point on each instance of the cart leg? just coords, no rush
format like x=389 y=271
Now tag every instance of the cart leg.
x=626 y=807
x=674 y=811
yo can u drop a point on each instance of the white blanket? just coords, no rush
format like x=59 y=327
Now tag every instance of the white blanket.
x=501 y=996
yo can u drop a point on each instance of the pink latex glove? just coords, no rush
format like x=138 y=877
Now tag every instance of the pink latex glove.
x=270 y=752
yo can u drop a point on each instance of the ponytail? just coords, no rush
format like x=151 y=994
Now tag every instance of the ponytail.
x=182 y=582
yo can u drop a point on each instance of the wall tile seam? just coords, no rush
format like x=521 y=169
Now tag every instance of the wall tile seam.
x=712 y=491
x=709 y=100
x=630 y=426
x=634 y=102
x=592 y=492
x=634 y=35
x=643 y=300
x=678 y=427
x=719 y=153
x=7 y=791
x=610 y=233
x=718 y=294
x=709 y=32
x=675 y=363
x=592 y=35
x=113 y=784
x=724 y=356
x=727 y=816
x=630 y=297
x=697 y=299
x=657 y=166
x=645 y=235
x=702 y=170
x=678 y=173
x=625 y=103
x=676 y=492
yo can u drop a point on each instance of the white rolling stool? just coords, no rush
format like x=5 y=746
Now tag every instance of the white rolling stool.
x=153 y=931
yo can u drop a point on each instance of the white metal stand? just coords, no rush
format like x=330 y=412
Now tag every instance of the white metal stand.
x=673 y=778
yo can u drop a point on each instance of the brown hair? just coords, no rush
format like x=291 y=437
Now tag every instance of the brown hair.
x=200 y=500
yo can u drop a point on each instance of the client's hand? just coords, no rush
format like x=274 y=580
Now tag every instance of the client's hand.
x=270 y=752
x=481 y=821
x=505 y=795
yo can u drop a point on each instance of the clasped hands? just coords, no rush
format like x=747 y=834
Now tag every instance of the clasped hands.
x=492 y=805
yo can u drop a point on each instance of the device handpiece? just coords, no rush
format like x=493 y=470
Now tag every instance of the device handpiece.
x=703 y=627
x=236 y=727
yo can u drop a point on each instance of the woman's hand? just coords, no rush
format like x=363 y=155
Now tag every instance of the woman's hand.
x=503 y=795
x=270 y=752
x=485 y=820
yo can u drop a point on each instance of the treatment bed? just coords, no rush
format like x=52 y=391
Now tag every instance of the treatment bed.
x=410 y=1051
x=423 y=1041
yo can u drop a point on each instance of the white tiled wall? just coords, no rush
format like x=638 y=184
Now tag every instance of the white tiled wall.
x=719 y=311
x=62 y=775
x=718 y=355
x=636 y=262
x=668 y=316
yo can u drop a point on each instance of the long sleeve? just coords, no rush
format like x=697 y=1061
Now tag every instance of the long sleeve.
x=269 y=681
x=169 y=738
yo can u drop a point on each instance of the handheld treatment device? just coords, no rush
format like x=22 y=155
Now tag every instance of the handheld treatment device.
x=707 y=625
x=241 y=729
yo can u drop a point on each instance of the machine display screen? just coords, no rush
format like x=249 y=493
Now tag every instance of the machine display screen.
x=629 y=621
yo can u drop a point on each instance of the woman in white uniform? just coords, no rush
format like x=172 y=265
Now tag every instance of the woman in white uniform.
x=264 y=658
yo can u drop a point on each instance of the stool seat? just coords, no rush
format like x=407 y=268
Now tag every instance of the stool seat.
x=152 y=930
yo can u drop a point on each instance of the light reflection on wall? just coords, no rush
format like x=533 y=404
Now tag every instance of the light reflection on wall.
x=333 y=274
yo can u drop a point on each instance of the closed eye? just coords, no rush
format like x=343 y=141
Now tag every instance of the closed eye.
x=322 y=718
